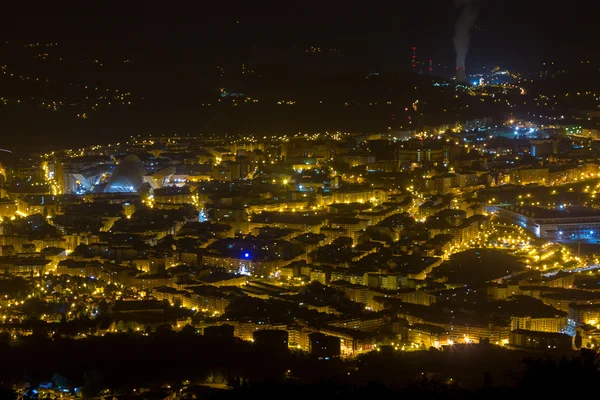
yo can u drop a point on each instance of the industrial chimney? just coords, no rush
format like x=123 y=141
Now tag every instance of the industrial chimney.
x=461 y=75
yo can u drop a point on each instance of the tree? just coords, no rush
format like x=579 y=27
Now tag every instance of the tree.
x=93 y=384
x=59 y=380
x=103 y=308
x=121 y=326
x=4 y=338
x=164 y=329
x=7 y=394
x=578 y=340
x=188 y=331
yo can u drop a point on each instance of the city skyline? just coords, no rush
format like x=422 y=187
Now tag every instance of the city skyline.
x=257 y=199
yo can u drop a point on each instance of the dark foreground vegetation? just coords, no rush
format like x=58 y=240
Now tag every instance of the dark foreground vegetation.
x=166 y=363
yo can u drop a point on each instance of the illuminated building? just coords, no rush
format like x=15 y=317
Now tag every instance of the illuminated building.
x=86 y=269
x=274 y=206
x=590 y=335
x=17 y=241
x=544 y=148
x=147 y=281
x=8 y=208
x=502 y=291
x=319 y=275
x=300 y=147
x=364 y=324
x=356 y=159
x=424 y=335
x=245 y=329
x=416 y=297
x=525 y=176
x=324 y=346
x=352 y=195
x=349 y=227
x=378 y=299
x=481 y=124
x=463 y=333
x=45 y=205
x=352 y=342
x=581 y=314
x=221 y=332
x=378 y=214
x=228 y=171
x=421 y=155
x=275 y=340
x=352 y=292
x=193 y=173
x=175 y=297
x=211 y=299
x=159 y=262
x=132 y=307
x=591 y=133
x=289 y=271
x=571 y=222
x=560 y=298
x=452 y=222
x=219 y=279
x=189 y=258
x=7 y=250
x=127 y=177
x=431 y=207
x=160 y=178
x=296 y=221
x=17 y=191
x=573 y=130
x=246 y=146
x=86 y=180
x=24 y=265
x=243 y=265
x=540 y=340
x=50 y=242
x=331 y=234
x=80 y=174
x=357 y=278
x=552 y=324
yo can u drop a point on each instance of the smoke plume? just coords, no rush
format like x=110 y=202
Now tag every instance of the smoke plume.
x=462 y=32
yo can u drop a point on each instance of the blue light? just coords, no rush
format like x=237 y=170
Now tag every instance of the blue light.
x=246 y=255
x=591 y=232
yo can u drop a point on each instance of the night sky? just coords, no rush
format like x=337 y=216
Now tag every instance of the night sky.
x=515 y=33
x=177 y=54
